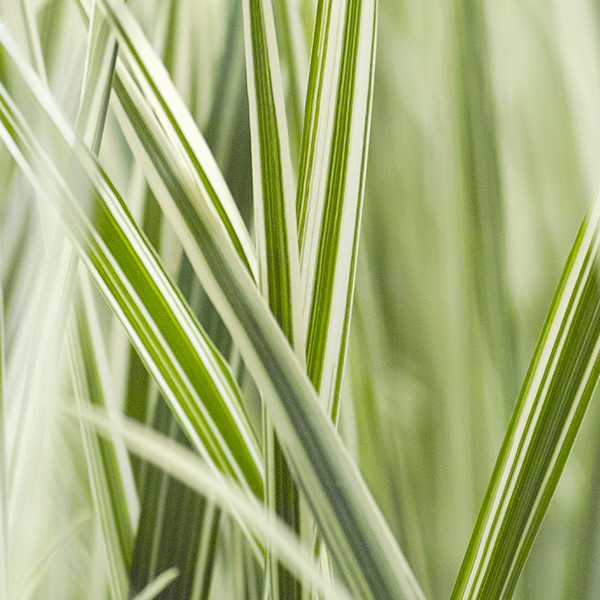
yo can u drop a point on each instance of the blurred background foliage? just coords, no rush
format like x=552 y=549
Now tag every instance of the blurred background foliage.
x=444 y=327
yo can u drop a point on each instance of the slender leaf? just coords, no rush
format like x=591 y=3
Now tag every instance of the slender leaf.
x=272 y=180
x=100 y=461
x=360 y=542
x=294 y=63
x=181 y=463
x=331 y=181
x=557 y=389
x=97 y=81
x=171 y=524
x=192 y=375
x=228 y=128
x=183 y=143
x=175 y=523
x=275 y=223
x=98 y=390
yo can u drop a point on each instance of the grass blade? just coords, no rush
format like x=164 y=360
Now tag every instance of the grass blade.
x=331 y=181
x=181 y=463
x=275 y=218
x=294 y=63
x=172 y=523
x=175 y=523
x=154 y=588
x=100 y=462
x=559 y=384
x=95 y=93
x=192 y=375
x=182 y=143
x=276 y=234
x=360 y=542
x=96 y=375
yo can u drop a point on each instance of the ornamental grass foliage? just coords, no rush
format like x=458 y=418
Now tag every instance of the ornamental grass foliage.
x=299 y=299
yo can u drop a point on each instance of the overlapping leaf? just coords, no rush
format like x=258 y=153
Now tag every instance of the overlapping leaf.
x=176 y=460
x=191 y=373
x=275 y=223
x=357 y=536
x=331 y=181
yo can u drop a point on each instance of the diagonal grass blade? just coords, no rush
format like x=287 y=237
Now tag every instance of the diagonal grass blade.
x=557 y=389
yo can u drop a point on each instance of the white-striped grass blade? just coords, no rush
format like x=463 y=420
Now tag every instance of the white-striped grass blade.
x=183 y=146
x=179 y=462
x=292 y=43
x=277 y=241
x=360 y=542
x=102 y=393
x=557 y=389
x=97 y=81
x=273 y=185
x=116 y=559
x=192 y=375
x=331 y=180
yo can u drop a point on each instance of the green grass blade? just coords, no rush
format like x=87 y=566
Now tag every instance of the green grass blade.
x=228 y=128
x=331 y=188
x=192 y=375
x=356 y=534
x=276 y=234
x=183 y=148
x=561 y=379
x=171 y=523
x=179 y=462
x=274 y=214
x=138 y=384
